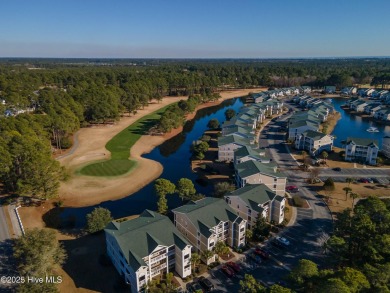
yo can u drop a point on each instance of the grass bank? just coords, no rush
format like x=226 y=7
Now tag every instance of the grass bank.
x=120 y=146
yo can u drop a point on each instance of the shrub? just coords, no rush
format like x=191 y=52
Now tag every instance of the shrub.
x=66 y=142
x=298 y=201
x=214 y=264
x=98 y=219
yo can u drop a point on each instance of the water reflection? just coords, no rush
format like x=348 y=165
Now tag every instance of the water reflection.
x=174 y=155
x=355 y=126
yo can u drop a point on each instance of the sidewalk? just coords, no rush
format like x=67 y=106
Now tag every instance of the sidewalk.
x=14 y=221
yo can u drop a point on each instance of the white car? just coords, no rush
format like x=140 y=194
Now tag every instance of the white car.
x=282 y=240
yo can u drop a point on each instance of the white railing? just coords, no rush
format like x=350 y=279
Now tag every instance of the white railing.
x=156 y=259
x=157 y=269
x=19 y=219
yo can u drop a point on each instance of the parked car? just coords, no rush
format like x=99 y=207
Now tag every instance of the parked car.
x=277 y=244
x=370 y=180
x=194 y=287
x=206 y=284
x=282 y=240
x=255 y=258
x=227 y=271
x=338 y=169
x=375 y=180
x=262 y=252
x=292 y=188
x=364 y=180
x=235 y=267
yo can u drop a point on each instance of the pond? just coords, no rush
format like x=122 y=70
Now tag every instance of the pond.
x=355 y=126
x=174 y=155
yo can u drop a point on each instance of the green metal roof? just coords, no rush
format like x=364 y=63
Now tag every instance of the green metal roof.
x=362 y=141
x=299 y=123
x=234 y=122
x=139 y=237
x=315 y=135
x=279 y=198
x=232 y=139
x=244 y=130
x=249 y=168
x=254 y=195
x=249 y=151
x=246 y=116
x=207 y=213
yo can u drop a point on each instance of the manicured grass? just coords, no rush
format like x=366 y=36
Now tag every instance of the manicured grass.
x=120 y=146
x=121 y=143
x=108 y=168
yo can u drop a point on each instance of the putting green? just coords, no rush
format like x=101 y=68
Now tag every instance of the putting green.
x=108 y=168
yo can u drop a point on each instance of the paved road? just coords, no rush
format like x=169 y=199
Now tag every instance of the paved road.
x=307 y=235
x=4 y=233
x=6 y=262
x=311 y=228
x=73 y=148
x=313 y=225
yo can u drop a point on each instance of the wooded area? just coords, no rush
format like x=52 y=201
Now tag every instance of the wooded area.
x=68 y=94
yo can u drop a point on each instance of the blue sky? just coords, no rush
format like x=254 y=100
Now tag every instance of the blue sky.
x=194 y=29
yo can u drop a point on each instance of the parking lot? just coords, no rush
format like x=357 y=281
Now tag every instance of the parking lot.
x=306 y=239
x=382 y=175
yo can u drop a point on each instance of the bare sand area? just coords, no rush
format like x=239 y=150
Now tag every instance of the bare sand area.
x=88 y=190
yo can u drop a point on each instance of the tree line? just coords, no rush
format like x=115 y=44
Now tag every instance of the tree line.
x=69 y=96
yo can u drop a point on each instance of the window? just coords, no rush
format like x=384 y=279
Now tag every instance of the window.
x=274 y=185
x=186 y=256
x=186 y=267
x=141 y=278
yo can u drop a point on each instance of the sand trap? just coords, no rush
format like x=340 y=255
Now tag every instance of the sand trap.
x=85 y=190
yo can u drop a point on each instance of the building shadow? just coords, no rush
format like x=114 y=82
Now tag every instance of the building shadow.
x=89 y=266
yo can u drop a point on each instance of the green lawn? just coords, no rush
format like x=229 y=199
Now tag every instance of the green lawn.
x=120 y=146
x=108 y=168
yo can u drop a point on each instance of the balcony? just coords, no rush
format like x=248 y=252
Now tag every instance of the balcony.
x=160 y=252
x=157 y=264
x=157 y=259
x=157 y=270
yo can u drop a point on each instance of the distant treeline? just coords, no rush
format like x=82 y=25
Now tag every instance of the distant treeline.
x=69 y=94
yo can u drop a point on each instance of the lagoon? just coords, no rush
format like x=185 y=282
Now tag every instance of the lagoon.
x=174 y=155
x=355 y=126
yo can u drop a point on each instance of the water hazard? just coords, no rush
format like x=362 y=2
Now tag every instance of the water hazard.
x=174 y=155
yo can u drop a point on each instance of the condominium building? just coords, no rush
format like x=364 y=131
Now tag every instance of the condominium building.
x=386 y=146
x=205 y=222
x=361 y=150
x=254 y=172
x=247 y=153
x=314 y=142
x=228 y=144
x=146 y=247
x=297 y=126
x=252 y=201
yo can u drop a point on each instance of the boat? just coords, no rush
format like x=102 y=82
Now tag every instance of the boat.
x=372 y=129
